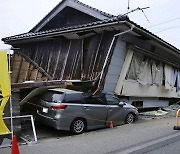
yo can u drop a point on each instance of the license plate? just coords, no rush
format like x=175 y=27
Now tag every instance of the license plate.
x=45 y=110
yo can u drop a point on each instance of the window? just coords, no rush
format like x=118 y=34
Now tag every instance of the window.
x=94 y=100
x=55 y=97
x=137 y=104
x=73 y=98
x=112 y=100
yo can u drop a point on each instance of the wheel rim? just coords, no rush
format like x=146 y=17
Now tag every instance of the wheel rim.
x=130 y=118
x=78 y=126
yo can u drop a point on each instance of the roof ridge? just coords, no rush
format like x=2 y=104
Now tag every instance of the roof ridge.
x=95 y=9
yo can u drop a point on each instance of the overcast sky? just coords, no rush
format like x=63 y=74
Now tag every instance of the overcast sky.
x=19 y=16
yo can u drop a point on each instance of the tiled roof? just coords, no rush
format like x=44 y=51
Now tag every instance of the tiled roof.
x=60 y=31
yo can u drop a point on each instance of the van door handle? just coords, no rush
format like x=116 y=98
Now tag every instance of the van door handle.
x=86 y=107
x=110 y=109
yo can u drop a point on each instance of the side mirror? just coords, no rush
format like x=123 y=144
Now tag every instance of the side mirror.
x=121 y=104
x=55 y=101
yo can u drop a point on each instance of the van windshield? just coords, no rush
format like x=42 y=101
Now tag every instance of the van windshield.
x=52 y=96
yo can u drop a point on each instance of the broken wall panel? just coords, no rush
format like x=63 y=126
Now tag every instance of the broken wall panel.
x=90 y=51
x=73 y=61
x=77 y=69
x=23 y=74
x=33 y=75
x=103 y=50
x=53 y=57
x=29 y=72
x=46 y=52
x=41 y=53
x=57 y=46
x=17 y=60
x=62 y=59
x=38 y=53
x=39 y=76
x=22 y=70
x=29 y=50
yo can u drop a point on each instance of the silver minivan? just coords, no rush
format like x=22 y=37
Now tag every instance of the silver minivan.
x=77 y=112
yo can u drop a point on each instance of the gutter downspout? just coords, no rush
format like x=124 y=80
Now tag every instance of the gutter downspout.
x=109 y=51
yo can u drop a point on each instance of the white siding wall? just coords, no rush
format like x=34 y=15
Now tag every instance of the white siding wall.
x=115 y=66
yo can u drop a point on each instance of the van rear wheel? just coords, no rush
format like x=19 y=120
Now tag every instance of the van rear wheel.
x=78 y=126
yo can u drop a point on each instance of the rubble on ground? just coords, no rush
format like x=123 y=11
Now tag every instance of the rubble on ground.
x=153 y=114
x=162 y=112
x=173 y=107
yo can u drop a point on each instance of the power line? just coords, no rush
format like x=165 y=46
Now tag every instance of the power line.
x=166 y=29
x=164 y=22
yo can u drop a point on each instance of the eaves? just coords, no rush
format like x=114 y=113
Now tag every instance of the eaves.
x=116 y=21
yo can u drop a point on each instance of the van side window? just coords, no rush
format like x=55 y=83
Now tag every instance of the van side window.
x=51 y=96
x=112 y=100
x=94 y=100
x=73 y=98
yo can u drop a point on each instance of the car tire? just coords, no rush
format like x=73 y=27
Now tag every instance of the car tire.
x=130 y=118
x=78 y=126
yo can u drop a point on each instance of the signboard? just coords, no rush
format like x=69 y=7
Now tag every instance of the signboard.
x=4 y=90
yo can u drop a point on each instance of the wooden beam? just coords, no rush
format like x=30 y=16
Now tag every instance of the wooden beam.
x=36 y=65
x=124 y=71
x=56 y=83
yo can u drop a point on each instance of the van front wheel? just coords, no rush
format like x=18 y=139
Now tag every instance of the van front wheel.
x=130 y=118
x=78 y=126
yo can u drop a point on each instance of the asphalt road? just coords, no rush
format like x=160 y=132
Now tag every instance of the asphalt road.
x=145 y=136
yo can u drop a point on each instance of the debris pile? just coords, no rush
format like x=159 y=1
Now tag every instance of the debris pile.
x=172 y=109
x=162 y=112
x=153 y=114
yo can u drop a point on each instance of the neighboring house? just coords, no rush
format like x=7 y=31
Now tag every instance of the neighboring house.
x=78 y=42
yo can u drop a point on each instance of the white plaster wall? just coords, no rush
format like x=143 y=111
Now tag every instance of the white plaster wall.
x=133 y=88
x=149 y=102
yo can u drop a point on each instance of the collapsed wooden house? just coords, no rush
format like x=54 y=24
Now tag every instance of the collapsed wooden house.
x=76 y=42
